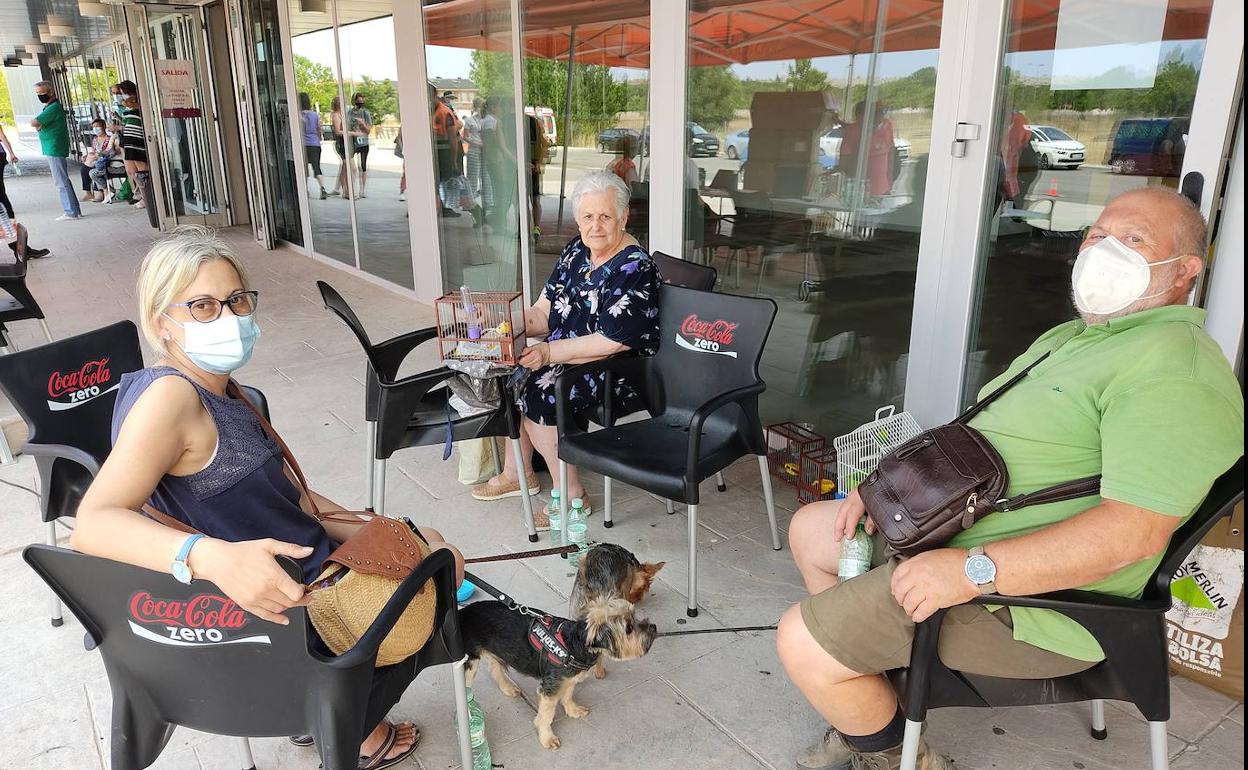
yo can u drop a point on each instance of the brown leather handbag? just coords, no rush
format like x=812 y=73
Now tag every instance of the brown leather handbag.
x=945 y=479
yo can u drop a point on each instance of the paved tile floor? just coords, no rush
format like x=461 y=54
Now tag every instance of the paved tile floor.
x=709 y=701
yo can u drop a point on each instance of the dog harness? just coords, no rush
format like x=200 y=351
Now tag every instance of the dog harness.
x=546 y=635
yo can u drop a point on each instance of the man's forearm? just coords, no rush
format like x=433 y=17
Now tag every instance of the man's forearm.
x=1080 y=550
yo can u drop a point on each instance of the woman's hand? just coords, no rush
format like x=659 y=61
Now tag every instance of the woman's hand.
x=847 y=516
x=248 y=573
x=536 y=356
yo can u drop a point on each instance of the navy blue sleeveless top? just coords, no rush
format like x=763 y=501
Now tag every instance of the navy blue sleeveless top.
x=243 y=493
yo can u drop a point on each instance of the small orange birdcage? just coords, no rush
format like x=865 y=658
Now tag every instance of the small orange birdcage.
x=481 y=326
x=786 y=441
x=818 y=479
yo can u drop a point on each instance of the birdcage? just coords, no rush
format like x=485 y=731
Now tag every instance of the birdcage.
x=858 y=453
x=786 y=441
x=818 y=476
x=480 y=326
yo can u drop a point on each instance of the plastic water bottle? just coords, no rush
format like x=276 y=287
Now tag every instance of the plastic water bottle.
x=555 y=511
x=481 y=759
x=577 y=528
x=856 y=554
x=470 y=310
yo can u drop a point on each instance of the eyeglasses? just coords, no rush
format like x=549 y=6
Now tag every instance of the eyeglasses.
x=208 y=309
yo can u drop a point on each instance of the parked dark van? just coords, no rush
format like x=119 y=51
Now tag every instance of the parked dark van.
x=1150 y=146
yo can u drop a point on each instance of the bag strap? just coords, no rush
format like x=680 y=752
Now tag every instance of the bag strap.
x=979 y=406
x=1068 y=490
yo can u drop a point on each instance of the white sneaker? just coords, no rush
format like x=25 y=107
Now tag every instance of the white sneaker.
x=68 y=218
x=402 y=196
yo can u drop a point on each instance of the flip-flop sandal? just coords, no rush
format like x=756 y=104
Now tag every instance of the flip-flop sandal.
x=302 y=741
x=377 y=760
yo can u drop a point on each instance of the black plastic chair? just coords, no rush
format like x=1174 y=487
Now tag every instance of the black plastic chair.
x=64 y=391
x=702 y=388
x=220 y=670
x=20 y=305
x=676 y=272
x=414 y=411
x=1132 y=633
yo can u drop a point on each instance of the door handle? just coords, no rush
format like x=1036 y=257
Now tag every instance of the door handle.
x=963 y=132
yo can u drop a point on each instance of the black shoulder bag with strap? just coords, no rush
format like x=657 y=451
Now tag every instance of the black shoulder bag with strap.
x=945 y=479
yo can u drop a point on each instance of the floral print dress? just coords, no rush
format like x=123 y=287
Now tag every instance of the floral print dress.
x=618 y=300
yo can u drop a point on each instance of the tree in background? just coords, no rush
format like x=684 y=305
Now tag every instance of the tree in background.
x=6 y=104
x=803 y=76
x=713 y=96
x=382 y=97
x=317 y=81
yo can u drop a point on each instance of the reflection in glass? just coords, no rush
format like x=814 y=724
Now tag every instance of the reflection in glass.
x=316 y=74
x=274 y=106
x=603 y=123
x=1078 y=126
x=370 y=127
x=471 y=61
x=806 y=162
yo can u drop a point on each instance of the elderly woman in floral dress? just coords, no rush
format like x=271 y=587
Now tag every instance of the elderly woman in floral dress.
x=601 y=299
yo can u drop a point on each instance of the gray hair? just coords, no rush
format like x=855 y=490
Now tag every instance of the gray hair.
x=601 y=181
x=44 y=84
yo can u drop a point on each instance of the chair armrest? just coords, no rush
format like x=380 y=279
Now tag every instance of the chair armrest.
x=438 y=566
x=734 y=396
x=390 y=354
x=1071 y=601
x=64 y=452
x=627 y=364
x=420 y=383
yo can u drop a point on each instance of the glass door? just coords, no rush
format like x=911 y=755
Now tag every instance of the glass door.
x=171 y=42
x=1091 y=102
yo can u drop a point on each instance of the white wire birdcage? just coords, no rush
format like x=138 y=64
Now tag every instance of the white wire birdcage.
x=859 y=452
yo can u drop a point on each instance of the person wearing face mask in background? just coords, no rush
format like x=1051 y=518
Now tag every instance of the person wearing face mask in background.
x=360 y=128
x=54 y=143
x=1133 y=390
x=184 y=445
x=104 y=147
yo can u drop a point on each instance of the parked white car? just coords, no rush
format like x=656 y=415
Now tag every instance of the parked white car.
x=1055 y=148
x=830 y=143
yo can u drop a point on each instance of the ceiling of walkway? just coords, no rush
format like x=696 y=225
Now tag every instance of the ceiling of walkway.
x=20 y=19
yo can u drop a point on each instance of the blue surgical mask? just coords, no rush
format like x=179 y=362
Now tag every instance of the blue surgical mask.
x=221 y=346
x=99 y=132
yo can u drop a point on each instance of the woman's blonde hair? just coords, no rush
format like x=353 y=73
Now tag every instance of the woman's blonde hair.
x=171 y=265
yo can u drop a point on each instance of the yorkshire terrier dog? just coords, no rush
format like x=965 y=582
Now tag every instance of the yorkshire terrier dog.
x=610 y=571
x=558 y=652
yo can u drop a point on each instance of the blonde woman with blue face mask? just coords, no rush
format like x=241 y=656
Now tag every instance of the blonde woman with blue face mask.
x=193 y=452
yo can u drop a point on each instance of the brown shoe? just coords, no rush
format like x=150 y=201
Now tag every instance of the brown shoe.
x=891 y=759
x=497 y=490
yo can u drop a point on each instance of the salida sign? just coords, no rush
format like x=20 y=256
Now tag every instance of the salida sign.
x=201 y=621
x=707 y=336
x=175 y=83
x=73 y=388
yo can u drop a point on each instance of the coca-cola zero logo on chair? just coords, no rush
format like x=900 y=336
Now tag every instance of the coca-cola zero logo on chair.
x=707 y=336
x=203 y=620
x=67 y=390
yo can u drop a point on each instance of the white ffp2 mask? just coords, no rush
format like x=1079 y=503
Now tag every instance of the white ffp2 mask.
x=1110 y=275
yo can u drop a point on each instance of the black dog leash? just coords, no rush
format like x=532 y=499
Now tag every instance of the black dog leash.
x=690 y=632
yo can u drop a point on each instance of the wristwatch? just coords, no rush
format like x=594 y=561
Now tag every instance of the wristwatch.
x=181 y=571
x=981 y=570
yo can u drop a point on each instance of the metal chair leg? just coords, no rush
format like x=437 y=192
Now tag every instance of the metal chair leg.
x=1157 y=741
x=244 y=755
x=606 y=503
x=371 y=463
x=46 y=331
x=771 y=502
x=58 y=619
x=526 y=500
x=692 y=609
x=461 y=712
x=910 y=745
x=379 y=471
x=719 y=482
x=567 y=504
x=671 y=507
x=1098 y=720
x=498 y=458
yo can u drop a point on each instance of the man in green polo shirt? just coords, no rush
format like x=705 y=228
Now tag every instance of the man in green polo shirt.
x=54 y=141
x=1135 y=391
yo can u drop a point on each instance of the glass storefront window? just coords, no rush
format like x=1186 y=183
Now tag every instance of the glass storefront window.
x=316 y=75
x=1088 y=108
x=605 y=124
x=806 y=161
x=471 y=63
